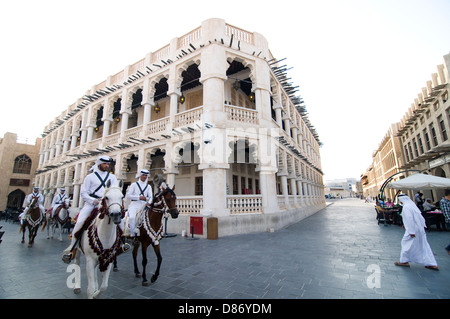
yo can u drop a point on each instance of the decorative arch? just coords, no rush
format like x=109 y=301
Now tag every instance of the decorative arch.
x=243 y=151
x=22 y=164
x=68 y=129
x=108 y=108
x=94 y=113
x=245 y=63
x=186 y=149
x=71 y=176
x=185 y=68
x=15 y=199
x=132 y=96
x=154 y=85
x=157 y=160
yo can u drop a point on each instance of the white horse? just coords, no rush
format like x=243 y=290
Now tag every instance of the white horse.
x=60 y=217
x=101 y=241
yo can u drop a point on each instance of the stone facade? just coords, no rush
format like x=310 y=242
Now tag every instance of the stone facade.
x=213 y=113
x=419 y=141
x=18 y=163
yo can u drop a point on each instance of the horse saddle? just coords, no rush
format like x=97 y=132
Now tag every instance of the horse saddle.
x=87 y=222
x=138 y=222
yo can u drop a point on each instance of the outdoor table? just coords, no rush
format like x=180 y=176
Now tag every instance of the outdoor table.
x=439 y=216
x=394 y=214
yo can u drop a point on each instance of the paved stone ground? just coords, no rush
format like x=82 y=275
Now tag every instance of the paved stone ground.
x=331 y=255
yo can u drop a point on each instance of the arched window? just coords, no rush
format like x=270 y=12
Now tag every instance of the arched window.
x=22 y=164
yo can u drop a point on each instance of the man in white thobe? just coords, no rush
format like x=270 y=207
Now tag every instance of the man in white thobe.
x=29 y=199
x=139 y=193
x=58 y=200
x=415 y=247
x=92 y=190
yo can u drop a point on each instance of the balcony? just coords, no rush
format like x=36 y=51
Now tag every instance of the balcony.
x=241 y=114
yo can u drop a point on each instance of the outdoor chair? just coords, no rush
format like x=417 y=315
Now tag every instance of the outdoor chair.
x=381 y=216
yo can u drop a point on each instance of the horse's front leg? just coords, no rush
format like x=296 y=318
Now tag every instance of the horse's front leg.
x=144 y=264
x=136 y=268
x=60 y=227
x=48 y=225
x=24 y=228
x=105 y=279
x=115 y=268
x=77 y=287
x=91 y=271
x=32 y=232
x=53 y=227
x=159 y=258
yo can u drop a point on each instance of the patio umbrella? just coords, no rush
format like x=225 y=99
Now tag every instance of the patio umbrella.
x=421 y=181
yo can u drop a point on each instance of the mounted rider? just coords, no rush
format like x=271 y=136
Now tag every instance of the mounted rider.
x=92 y=190
x=58 y=200
x=29 y=199
x=139 y=193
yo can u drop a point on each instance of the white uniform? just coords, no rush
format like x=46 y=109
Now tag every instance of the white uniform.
x=29 y=200
x=57 y=201
x=414 y=249
x=92 y=190
x=135 y=191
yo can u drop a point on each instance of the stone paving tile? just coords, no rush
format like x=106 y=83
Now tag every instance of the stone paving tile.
x=325 y=256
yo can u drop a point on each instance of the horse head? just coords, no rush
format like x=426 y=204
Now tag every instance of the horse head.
x=170 y=199
x=112 y=202
x=34 y=203
x=66 y=203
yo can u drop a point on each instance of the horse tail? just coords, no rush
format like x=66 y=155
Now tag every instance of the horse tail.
x=44 y=224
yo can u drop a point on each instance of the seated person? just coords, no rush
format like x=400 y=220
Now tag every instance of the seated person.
x=428 y=205
x=389 y=203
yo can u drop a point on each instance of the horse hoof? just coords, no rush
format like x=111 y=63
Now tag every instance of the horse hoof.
x=138 y=275
x=115 y=269
x=154 y=278
x=76 y=291
x=145 y=283
x=30 y=245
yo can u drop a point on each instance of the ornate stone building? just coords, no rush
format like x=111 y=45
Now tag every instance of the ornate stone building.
x=215 y=113
x=18 y=163
x=387 y=160
x=419 y=141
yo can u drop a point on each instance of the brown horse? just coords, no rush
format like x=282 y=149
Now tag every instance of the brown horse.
x=151 y=229
x=31 y=221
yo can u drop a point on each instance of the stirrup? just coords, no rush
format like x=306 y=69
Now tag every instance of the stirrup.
x=125 y=247
x=67 y=258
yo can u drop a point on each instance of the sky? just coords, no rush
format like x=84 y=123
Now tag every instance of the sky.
x=359 y=64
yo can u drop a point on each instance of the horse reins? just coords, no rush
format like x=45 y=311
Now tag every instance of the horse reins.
x=162 y=202
x=104 y=210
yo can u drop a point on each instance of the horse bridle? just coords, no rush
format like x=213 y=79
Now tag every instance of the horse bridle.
x=165 y=208
x=105 y=209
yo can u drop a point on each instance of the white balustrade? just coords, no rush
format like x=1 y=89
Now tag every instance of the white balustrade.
x=241 y=114
x=133 y=132
x=239 y=34
x=189 y=116
x=157 y=126
x=244 y=204
x=189 y=205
